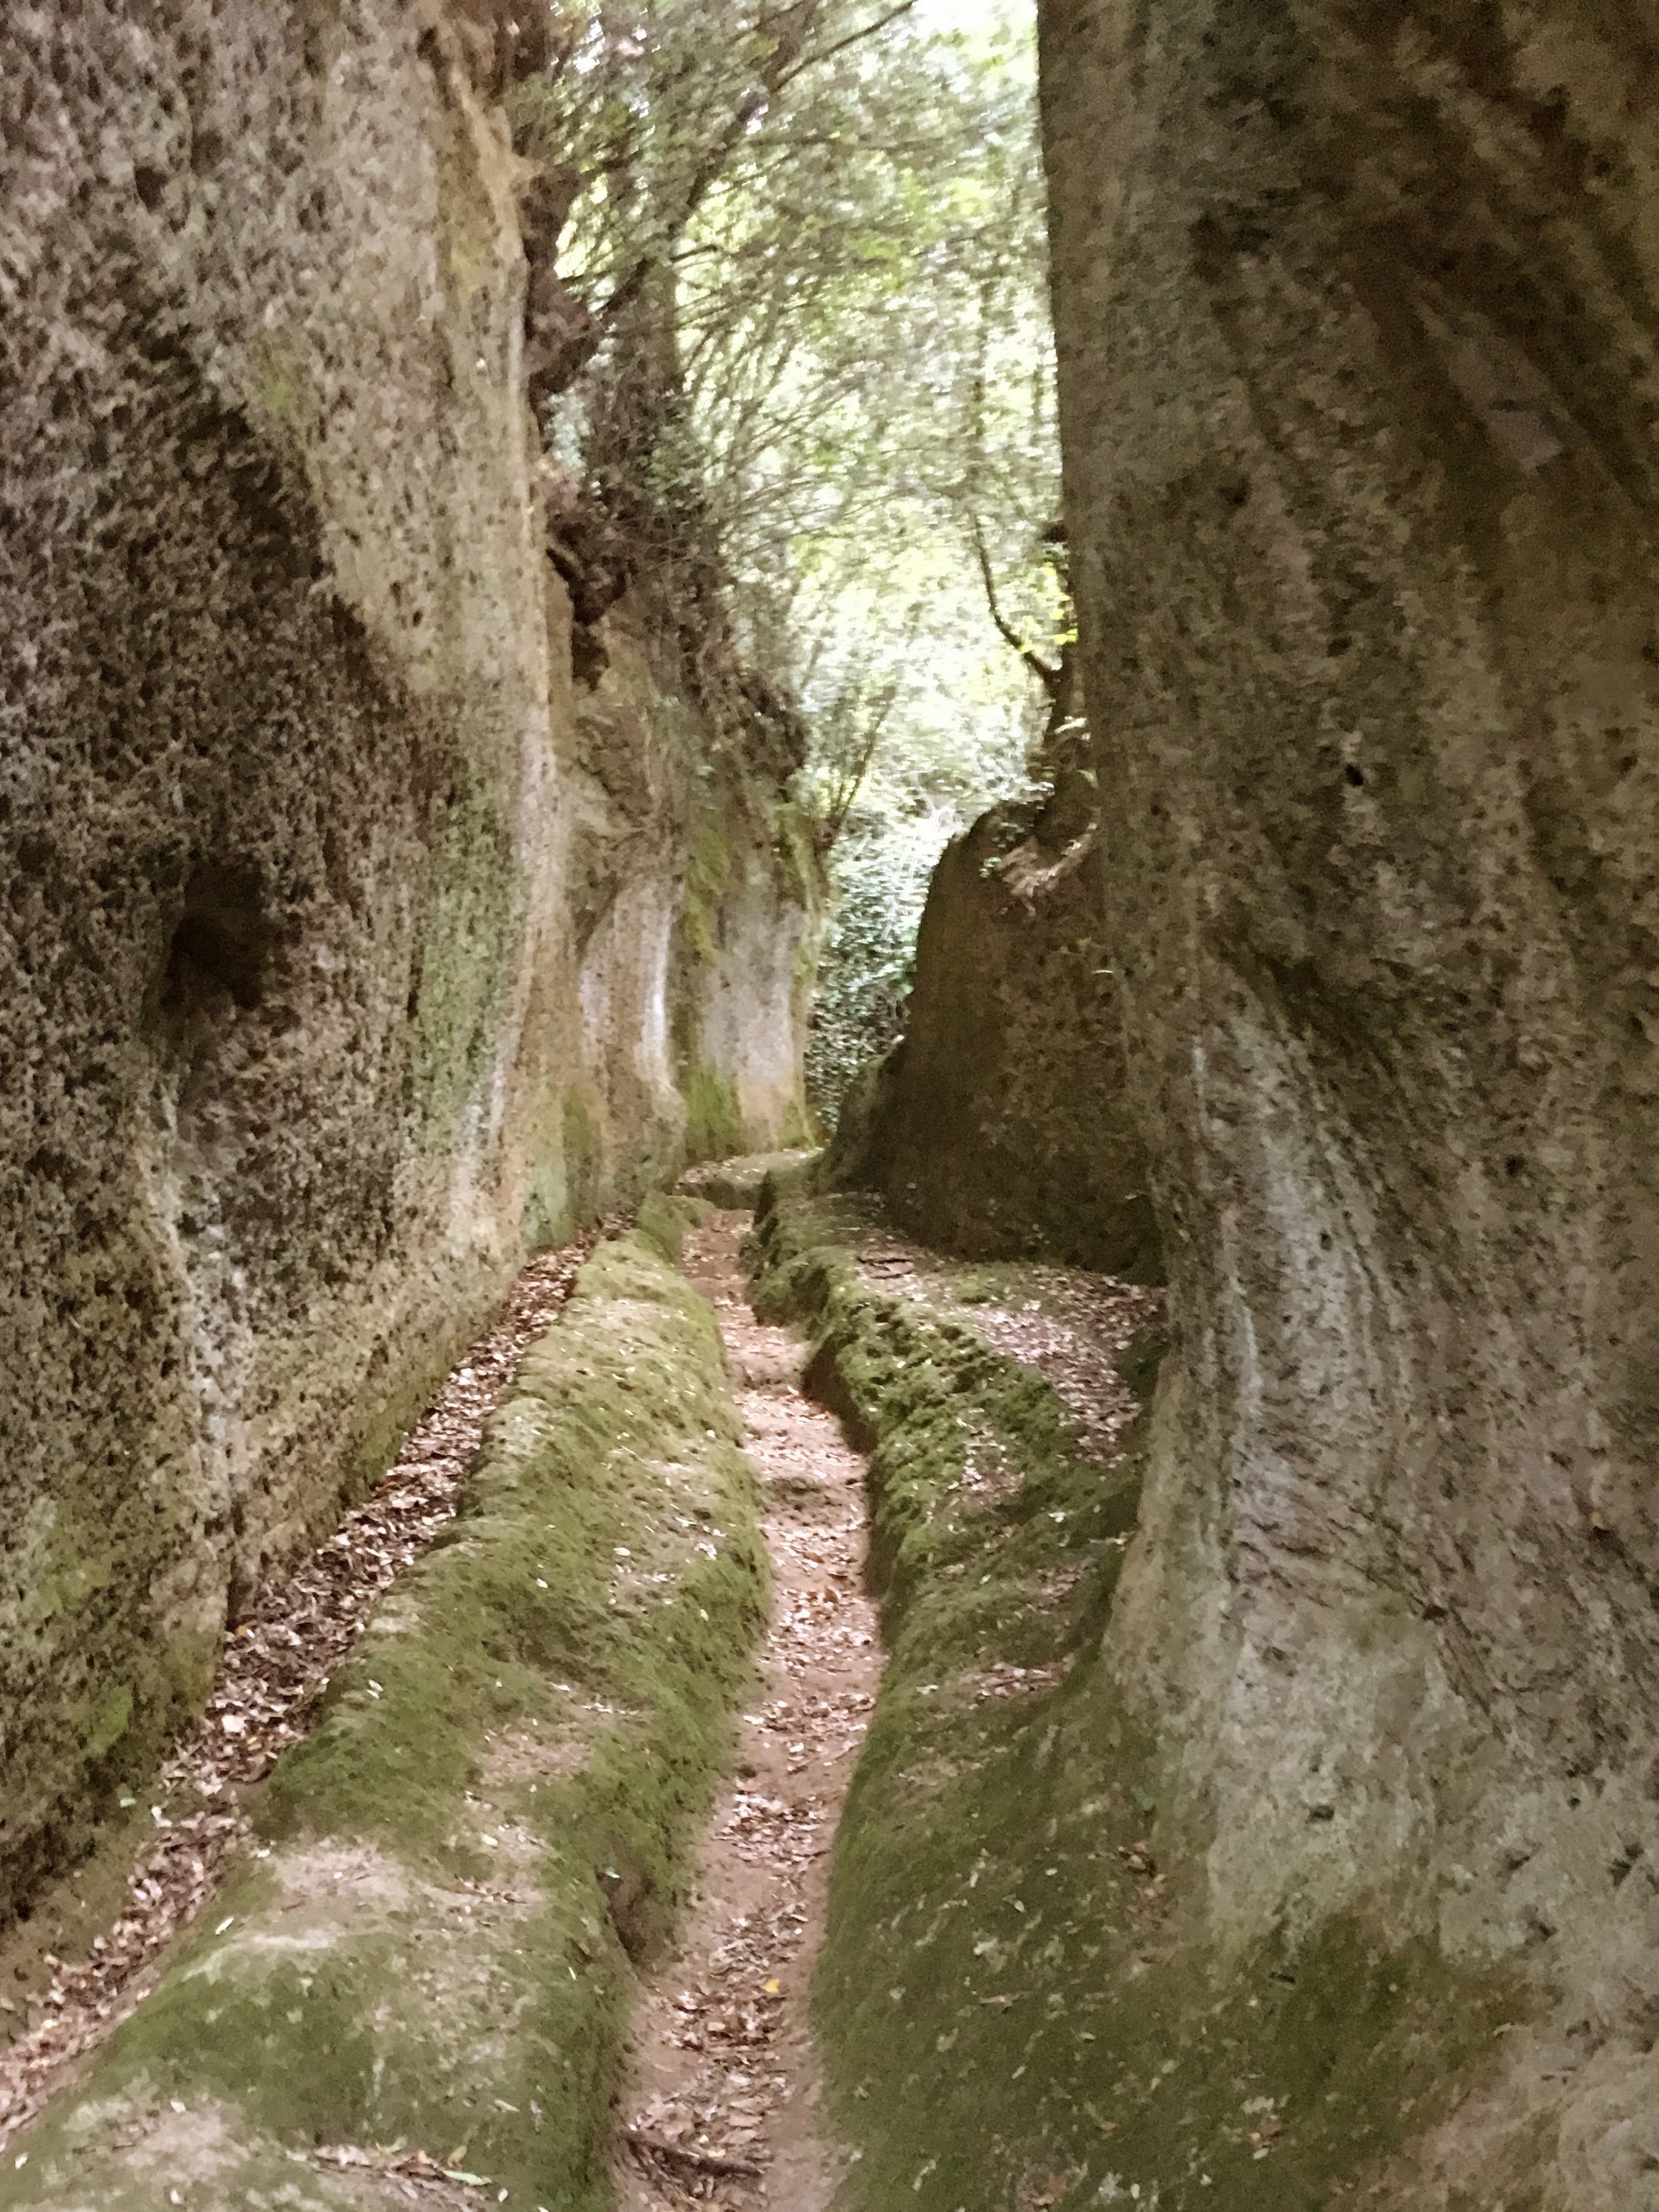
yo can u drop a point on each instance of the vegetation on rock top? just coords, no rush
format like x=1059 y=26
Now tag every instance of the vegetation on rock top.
x=791 y=331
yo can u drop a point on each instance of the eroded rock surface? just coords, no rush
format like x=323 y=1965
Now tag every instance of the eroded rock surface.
x=329 y=982
x=998 y=1124
x=1357 y=312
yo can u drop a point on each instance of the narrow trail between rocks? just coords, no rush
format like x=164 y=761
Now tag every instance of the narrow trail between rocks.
x=724 y=2103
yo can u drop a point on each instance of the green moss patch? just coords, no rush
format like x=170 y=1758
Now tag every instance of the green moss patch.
x=708 y=876
x=1019 y=2006
x=494 y=1821
x=462 y=960
x=714 y=1118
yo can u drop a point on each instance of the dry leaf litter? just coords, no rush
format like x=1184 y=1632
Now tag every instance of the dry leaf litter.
x=1069 y=1324
x=726 y=2086
x=726 y=2089
x=274 y=1668
x=723 y=2104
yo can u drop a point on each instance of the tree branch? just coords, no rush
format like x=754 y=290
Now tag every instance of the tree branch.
x=787 y=60
x=850 y=782
x=1047 y=674
x=852 y=39
x=798 y=20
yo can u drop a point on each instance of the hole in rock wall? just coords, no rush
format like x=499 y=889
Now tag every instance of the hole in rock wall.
x=222 y=944
x=218 y=970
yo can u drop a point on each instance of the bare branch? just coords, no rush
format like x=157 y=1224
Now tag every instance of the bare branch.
x=1047 y=674
x=851 y=780
x=797 y=20
x=852 y=39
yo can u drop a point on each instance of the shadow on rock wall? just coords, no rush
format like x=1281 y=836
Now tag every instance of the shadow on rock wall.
x=1356 y=315
x=998 y=1126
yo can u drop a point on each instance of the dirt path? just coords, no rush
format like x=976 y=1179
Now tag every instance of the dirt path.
x=723 y=2106
x=724 y=2102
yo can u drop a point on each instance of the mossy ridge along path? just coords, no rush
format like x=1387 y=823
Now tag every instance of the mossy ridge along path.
x=114 y=1918
x=1019 y=2005
x=420 y=1992
x=724 y=2103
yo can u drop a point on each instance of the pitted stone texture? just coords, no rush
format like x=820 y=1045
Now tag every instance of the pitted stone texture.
x=998 y=1126
x=272 y=662
x=1357 y=316
x=320 y=998
x=695 y=904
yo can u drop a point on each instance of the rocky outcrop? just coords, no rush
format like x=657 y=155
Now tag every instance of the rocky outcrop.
x=328 y=983
x=1358 y=315
x=695 y=890
x=997 y=1127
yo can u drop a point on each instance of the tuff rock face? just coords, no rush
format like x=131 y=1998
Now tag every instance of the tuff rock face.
x=997 y=1125
x=1358 y=314
x=308 y=1025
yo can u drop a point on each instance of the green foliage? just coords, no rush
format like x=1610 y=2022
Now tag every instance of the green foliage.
x=870 y=372
x=879 y=873
x=812 y=250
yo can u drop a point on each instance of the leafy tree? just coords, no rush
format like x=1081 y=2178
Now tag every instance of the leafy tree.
x=792 y=326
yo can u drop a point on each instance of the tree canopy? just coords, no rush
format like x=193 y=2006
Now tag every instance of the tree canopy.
x=808 y=241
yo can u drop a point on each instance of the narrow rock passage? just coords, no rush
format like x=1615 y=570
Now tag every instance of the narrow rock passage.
x=724 y=2103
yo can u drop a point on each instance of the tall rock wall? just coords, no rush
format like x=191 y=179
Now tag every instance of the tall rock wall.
x=302 y=1018
x=1359 y=312
x=695 y=894
x=997 y=1125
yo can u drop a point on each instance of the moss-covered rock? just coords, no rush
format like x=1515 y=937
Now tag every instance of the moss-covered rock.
x=736 y=1183
x=695 y=982
x=492 y=1821
x=1021 y=2008
x=338 y=915
x=999 y=1124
